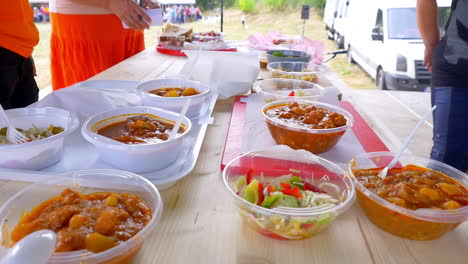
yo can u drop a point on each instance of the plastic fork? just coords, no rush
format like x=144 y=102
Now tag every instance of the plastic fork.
x=383 y=172
x=13 y=135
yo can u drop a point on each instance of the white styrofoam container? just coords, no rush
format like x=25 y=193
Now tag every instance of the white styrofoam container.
x=173 y=103
x=138 y=158
x=38 y=154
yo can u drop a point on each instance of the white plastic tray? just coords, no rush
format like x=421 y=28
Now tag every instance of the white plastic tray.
x=80 y=155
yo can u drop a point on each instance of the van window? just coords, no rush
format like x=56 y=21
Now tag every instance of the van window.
x=402 y=22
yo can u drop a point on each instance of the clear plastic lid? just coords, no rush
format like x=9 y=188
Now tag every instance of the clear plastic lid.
x=288 y=89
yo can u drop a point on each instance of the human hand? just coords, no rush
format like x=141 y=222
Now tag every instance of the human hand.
x=428 y=51
x=130 y=13
x=149 y=4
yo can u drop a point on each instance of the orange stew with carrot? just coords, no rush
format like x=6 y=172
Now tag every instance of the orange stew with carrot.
x=94 y=222
x=139 y=130
x=305 y=116
x=175 y=92
x=414 y=187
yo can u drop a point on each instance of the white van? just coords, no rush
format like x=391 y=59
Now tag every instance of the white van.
x=383 y=38
x=329 y=15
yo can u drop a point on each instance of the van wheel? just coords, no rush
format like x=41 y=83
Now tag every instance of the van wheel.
x=350 y=57
x=380 y=79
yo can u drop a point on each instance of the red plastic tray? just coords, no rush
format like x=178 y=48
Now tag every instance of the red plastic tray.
x=363 y=132
x=173 y=52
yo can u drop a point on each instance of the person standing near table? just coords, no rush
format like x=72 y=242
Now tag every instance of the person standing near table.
x=447 y=58
x=88 y=36
x=18 y=37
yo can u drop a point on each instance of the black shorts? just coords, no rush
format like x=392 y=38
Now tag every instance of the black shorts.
x=17 y=85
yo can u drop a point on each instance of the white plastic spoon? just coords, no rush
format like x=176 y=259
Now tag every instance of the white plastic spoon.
x=383 y=172
x=182 y=113
x=35 y=248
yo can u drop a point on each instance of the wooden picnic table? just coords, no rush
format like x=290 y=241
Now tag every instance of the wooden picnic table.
x=200 y=223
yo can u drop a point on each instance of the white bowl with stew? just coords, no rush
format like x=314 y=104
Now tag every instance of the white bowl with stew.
x=84 y=182
x=142 y=157
x=146 y=92
x=41 y=153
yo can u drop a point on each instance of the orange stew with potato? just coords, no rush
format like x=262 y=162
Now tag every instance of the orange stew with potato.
x=175 y=92
x=414 y=187
x=94 y=222
x=305 y=116
x=139 y=130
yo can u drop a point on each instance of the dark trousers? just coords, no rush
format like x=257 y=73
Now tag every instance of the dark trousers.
x=17 y=85
x=450 y=126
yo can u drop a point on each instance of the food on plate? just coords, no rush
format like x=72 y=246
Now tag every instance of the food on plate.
x=141 y=129
x=95 y=222
x=279 y=53
x=305 y=74
x=306 y=125
x=305 y=116
x=34 y=133
x=174 y=35
x=288 y=191
x=175 y=92
x=413 y=187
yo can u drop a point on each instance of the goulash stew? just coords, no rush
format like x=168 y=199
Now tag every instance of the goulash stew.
x=175 y=92
x=95 y=222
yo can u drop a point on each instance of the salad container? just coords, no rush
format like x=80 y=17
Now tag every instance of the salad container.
x=273 y=164
x=137 y=158
x=173 y=103
x=305 y=71
x=287 y=55
x=421 y=224
x=314 y=140
x=282 y=89
x=86 y=182
x=42 y=153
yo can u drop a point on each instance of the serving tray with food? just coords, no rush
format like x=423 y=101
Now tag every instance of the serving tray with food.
x=129 y=137
x=174 y=39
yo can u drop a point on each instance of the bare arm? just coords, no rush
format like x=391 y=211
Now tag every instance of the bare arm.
x=426 y=13
x=127 y=10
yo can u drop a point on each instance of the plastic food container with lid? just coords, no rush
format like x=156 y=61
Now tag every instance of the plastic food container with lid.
x=208 y=36
x=138 y=158
x=38 y=154
x=286 y=222
x=173 y=103
x=306 y=71
x=282 y=89
x=314 y=140
x=421 y=224
x=288 y=55
x=86 y=182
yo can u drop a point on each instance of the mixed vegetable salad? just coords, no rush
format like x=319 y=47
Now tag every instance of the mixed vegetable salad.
x=34 y=133
x=285 y=192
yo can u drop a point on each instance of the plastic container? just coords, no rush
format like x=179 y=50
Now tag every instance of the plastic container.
x=172 y=42
x=305 y=71
x=173 y=103
x=210 y=36
x=314 y=140
x=421 y=224
x=86 y=182
x=288 y=55
x=138 y=158
x=285 y=222
x=282 y=89
x=38 y=154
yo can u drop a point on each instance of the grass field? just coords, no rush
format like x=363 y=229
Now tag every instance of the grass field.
x=287 y=22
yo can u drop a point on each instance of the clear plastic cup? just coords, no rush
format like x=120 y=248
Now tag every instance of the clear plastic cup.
x=282 y=89
x=314 y=140
x=173 y=103
x=85 y=182
x=306 y=71
x=137 y=158
x=38 y=154
x=286 y=222
x=421 y=224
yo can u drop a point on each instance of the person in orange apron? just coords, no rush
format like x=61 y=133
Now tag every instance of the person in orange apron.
x=88 y=37
x=18 y=37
